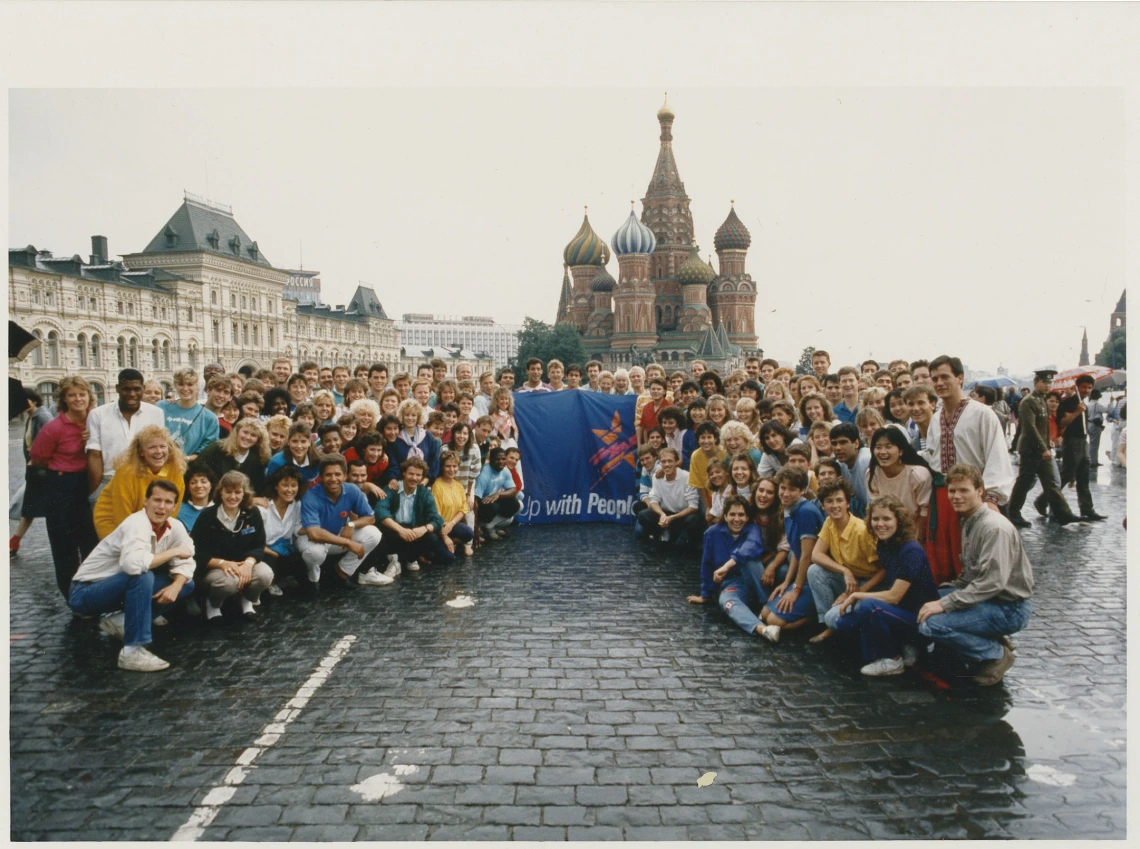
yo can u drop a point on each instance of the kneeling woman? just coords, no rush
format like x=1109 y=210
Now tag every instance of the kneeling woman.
x=887 y=621
x=228 y=548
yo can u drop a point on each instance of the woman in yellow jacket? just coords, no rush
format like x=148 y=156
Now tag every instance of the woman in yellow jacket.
x=152 y=454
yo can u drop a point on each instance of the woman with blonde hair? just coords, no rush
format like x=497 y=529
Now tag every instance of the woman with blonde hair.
x=414 y=440
x=152 y=454
x=325 y=405
x=229 y=543
x=57 y=481
x=367 y=413
x=746 y=413
x=245 y=450
x=736 y=437
x=503 y=418
x=777 y=390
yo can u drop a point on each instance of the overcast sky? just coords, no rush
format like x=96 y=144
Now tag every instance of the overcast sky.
x=884 y=220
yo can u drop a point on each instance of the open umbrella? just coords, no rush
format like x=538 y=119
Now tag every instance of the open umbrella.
x=997 y=382
x=1105 y=377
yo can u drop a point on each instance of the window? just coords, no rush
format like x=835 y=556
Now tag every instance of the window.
x=214 y=297
x=166 y=355
x=233 y=300
x=245 y=333
x=271 y=337
x=47 y=391
x=133 y=353
x=94 y=304
x=130 y=309
x=162 y=313
x=121 y=352
x=49 y=299
x=255 y=334
x=81 y=349
x=243 y=302
x=98 y=394
x=271 y=304
x=35 y=296
x=38 y=353
x=192 y=357
x=234 y=334
x=53 y=349
x=255 y=302
x=96 y=342
x=190 y=313
x=119 y=306
x=214 y=323
x=154 y=355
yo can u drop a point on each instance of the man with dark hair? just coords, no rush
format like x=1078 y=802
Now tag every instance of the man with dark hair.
x=312 y=374
x=593 y=370
x=438 y=372
x=534 y=377
x=768 y=368
x=752 y=367
x=112 y=426
x=674 y=505
x=991 y=598
x=848 y=406
x=831 y=389
x=340 y=378
x=1036 y=452
x=1073 y=422
x=854 y=460
x=137 y=571
x=338 y=521
x=820 y=362
x=920 y=372
x=377 y=380
x=507 y=378
x=495 y=501
x=325 y=379
x=412 y=521
x=868 y=368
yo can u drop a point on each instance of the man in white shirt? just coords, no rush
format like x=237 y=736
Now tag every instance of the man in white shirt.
x=674 y=506
x=138 y=570
x=112 y=426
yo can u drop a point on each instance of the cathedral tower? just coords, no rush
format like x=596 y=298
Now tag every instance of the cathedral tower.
x=585 y=254
x=732 y=295
x=633 y=319
x=694 y=276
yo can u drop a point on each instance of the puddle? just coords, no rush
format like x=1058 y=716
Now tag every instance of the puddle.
x=1050 y=735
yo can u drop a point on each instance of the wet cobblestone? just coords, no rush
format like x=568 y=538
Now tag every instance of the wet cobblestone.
x=580 y=698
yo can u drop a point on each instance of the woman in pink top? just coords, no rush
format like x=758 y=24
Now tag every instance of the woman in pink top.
x=897 y=469
x=59 y=462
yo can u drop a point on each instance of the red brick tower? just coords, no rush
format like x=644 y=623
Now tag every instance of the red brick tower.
x=586 y=254
x=732 y=295
x=634 y=322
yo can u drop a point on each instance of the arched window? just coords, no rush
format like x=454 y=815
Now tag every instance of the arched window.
x=53 y=349
x=38 y=352
x=96 y=355
x=192 y=357
x=659 y=315
x=166 y=355
x=214 y=325
x=98 y=395
x=133 y=352
x=154 y=354
x=47 y=390
x=214 y=297
x=81 y=349
x=121 y=353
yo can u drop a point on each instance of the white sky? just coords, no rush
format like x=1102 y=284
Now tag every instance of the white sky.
x=886 y=220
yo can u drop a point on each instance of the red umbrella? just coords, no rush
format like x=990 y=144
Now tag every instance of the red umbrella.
x=1105 y=377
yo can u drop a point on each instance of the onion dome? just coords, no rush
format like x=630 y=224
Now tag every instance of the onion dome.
x=693 y=272
x=665 y=113
x=633 y=237
x=586 y=248
x=603 y=282
x=732 y=235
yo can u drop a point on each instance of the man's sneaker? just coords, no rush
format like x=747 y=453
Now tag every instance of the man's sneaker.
x=909 y=655
x=314 y=573
x=884 y=666
x=113 y=624
x=468 y=549
x=992 y=672
x=372 y=578
x=665 y=535
x=393 y=570
x=141 y=660
x=160 y=621
x=491 y=533
x=275 y=590
x=1007 y=642
x=413 y=566
x=771 y=633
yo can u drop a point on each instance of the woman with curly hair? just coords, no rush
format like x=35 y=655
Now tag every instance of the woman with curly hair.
x=367 y=414
x=774 y=442
x=814 y=407
x=245 y=450
x=413 y=439
x=887 y=621
x=151 y=454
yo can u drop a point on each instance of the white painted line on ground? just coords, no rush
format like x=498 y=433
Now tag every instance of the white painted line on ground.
x=204 y=814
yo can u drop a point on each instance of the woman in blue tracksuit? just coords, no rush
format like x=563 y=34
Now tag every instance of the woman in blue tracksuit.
x=731 y=558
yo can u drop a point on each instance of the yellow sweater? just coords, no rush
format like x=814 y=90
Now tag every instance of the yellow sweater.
x=450 y=498
x=125 y=495
x=699 y=469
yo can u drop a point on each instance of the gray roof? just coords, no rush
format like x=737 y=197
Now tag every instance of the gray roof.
x=366 y=302
x=326 y=311
x=108 y=272
x=1121 y=305
x=197 y=227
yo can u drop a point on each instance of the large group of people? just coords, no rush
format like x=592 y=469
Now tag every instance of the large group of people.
x=877 y=502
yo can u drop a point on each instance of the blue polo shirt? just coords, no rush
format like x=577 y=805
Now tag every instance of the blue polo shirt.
x=857 y=477
x=489 y=481
x=844 y=413
x=318 y=510
x=802 y=520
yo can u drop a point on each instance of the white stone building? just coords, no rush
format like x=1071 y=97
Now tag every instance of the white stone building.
x=200 y=292
x=473 y=332
x=411 y=358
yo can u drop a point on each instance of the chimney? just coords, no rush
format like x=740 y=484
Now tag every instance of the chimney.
x=98 y=250
x=340 y=307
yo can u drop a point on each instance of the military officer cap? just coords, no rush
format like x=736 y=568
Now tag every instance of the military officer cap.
x=1044 y=374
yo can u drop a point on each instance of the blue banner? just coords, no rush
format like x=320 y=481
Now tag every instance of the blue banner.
x=579 y=456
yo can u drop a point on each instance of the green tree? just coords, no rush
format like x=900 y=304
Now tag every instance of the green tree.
x=1113 y=352
x=804 y=365
x=539 y=339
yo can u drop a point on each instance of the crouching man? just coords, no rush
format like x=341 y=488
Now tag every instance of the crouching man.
x=991 y=598
x=411 y=523
x=137 y=571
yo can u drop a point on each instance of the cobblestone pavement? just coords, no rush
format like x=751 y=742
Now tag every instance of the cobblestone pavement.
x=580 y=697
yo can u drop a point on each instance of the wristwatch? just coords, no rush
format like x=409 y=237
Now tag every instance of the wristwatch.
x=352 y=525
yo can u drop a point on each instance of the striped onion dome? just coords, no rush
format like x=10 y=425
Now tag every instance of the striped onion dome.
x=587 y=247
x=603 y=282
x=633 y=237
x=732 y=235
x=693 y=272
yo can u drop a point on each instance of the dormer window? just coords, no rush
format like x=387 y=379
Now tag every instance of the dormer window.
x=171 y=236
x=214 y=239
x=253 y=250
x=235 y=245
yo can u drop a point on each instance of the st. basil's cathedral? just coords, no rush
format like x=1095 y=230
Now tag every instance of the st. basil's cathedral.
x=666 y=299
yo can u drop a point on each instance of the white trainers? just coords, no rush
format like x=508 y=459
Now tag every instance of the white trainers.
x=211 y=611
x=275 y=590
x=314 y=573
x=771 y=633
x=160 y=622
x=884 y=666
x=372 y=578
x=909 y=655
x=141 y=660
x=665 y=535
x=468 y=550
x=393 y=570
x=113 y=624
x=413 y=566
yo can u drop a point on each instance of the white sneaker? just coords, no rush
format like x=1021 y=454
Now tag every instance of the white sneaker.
x=141 y=660
x=314 y=573
x=211 y=611
x=372 y=578
x=113 y=624
x=884 y=666
x=490 y=533
x=413 y=566
x=771 y=633
x=160 y=622
x=909 y=655
x=665 y=535
x=468 y=549
x=275 y=590
x=393 y=570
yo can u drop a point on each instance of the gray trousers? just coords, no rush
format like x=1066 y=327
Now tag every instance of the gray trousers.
x=220 y=586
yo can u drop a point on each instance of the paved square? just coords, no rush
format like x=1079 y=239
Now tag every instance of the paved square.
x=580 y=697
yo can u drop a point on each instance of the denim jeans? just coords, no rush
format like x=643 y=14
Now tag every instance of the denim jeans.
x=804 y=606
x=741 y=593
x=973 y=632
x=882 y=627
x=133 y=594
x=826 y=587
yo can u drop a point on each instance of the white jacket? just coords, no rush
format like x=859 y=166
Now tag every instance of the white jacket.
x=131 y=547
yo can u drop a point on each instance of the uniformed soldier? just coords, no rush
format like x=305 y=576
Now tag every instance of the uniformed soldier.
x=1073 y=421
x=1037 y=455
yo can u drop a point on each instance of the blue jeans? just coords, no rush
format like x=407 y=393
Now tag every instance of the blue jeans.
x=741 y=592
x=882 y=627
x=804 y=606
x=973 y=632
x=133 y=594
x=826 y=587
